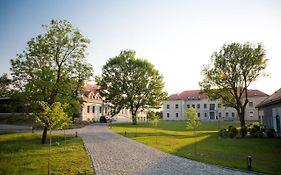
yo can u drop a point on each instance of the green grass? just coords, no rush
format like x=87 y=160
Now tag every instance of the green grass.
x=22 y=153
x=173 y=137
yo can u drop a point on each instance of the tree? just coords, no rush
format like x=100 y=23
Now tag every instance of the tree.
x=4 y=85
x=231 y=72
x=53 y=68
x=52 y=117
x=192 y=122
x=128 y=82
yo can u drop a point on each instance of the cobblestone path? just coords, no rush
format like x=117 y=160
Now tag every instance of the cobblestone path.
x=114 y=154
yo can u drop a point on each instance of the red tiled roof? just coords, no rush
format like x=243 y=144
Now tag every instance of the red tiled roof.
x=272 y=99
x=90 y=88
x=199 y=94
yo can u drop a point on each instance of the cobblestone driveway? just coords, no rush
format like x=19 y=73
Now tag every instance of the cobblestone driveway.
x=114 y=154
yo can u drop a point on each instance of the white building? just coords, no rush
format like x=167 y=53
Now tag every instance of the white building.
x=174 y=107
x=93 y=106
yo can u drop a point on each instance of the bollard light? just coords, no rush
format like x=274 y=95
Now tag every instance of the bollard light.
x=249 y=162
x=76 y=134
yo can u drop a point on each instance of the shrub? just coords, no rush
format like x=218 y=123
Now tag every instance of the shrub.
x=253 y=131
x=243 y=131
x=223 y=133
x=270 y=132
x=260 y=134
x=232 y=131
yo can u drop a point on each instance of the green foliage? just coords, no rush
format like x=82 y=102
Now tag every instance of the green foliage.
x=53 y=67
x=52 y=116
x=128 y=82
x=192 y=118
x=232 y=131
x=243 y=131
x=231 y=72
x=4 y=86
x=154 y=118
x=270 y=132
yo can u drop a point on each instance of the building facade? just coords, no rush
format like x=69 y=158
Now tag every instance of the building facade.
x=270 y=111
x=93 y=106
x=208 y=110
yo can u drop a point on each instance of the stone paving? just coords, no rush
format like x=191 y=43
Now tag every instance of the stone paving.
x=113 y=154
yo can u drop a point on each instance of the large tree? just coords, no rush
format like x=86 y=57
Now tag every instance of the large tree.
x=52 y=68
x=231 y=72
x=131 y=83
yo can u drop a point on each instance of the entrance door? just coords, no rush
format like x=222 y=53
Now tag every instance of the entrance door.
x=212 y=115
x=278 y=124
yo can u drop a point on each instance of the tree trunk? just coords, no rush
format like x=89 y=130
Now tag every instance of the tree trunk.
x=44 y=135
x=242 y=118
x=134 y=118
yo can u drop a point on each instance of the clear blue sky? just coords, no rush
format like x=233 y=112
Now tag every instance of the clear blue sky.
x=177 y=36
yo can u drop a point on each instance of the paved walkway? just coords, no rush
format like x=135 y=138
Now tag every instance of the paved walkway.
x=113 y=154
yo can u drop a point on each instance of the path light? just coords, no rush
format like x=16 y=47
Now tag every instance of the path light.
x=249 y=162
x=76 y=134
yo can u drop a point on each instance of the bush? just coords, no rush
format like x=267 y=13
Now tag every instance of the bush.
x=253 y=131
x=270 y=132
x=223 y=133
x=232 y=132
x=260 y=134
x=243 y=131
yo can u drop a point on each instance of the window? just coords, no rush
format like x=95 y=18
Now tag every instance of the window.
x=219 y=105
x=168 y=115
x=232 y=114
x=88 y=109
x=205 y=114
x=251 y=104
x=177 y=106
x=100 y=109
x=212 y=107
x=193 y=105
x=205 y=106
x=177 y=114
x=198 y=106
x=251 y=114
x=226 y=114
x=168 y=106
x=93 y=109
x=188 y=106
x=198 y=114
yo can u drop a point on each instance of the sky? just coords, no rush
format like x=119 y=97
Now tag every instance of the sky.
x=177 y=36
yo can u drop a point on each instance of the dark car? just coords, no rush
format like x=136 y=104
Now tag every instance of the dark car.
x=103 y=119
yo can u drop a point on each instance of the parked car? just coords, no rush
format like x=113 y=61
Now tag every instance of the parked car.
x=103 y=119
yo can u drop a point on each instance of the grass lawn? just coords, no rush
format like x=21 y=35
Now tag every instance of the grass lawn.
x=23 y=153
x=173 y=137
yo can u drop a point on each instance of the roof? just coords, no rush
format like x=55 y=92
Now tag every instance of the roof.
x=272 y=99
x=91 y=89
x=199 y=94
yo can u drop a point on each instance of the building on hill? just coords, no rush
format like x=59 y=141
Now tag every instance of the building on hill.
x=94 y=107
x=270 y=111
x=208 y=110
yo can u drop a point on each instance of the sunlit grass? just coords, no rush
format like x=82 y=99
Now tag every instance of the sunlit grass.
x=22 y=153
x=173 y=137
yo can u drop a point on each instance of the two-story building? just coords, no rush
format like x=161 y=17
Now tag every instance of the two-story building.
x=174 y=107
x=93 y=106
